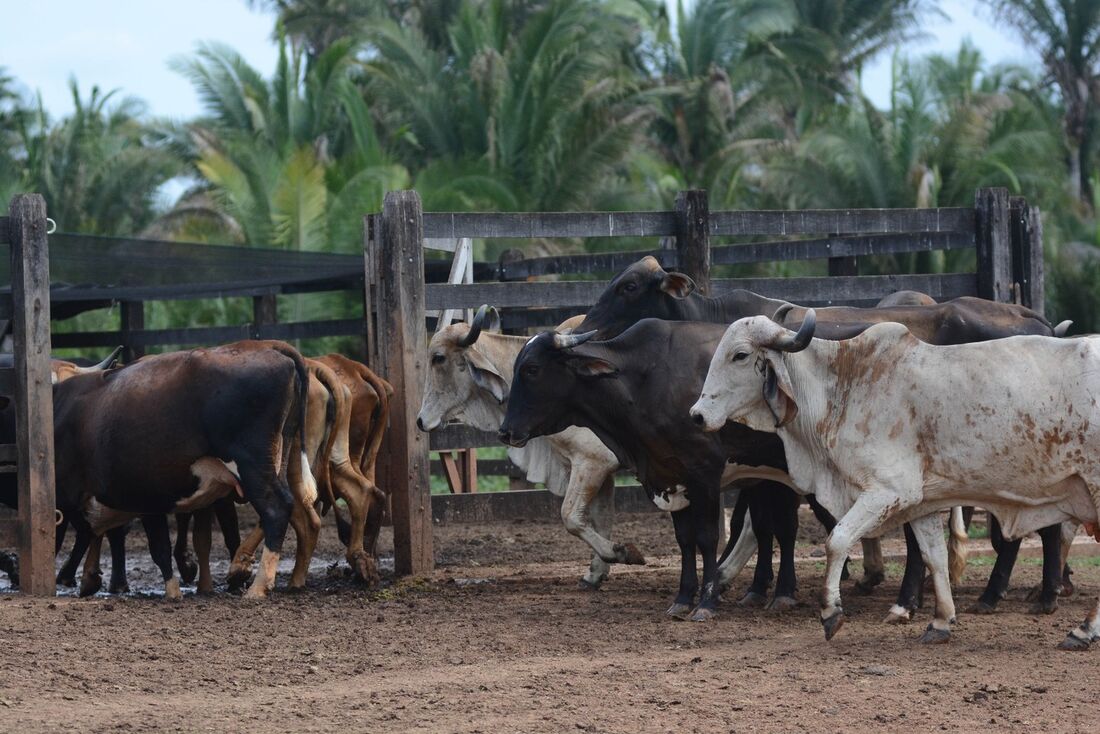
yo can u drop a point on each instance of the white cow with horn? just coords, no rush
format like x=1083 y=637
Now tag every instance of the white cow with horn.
x=886 y=429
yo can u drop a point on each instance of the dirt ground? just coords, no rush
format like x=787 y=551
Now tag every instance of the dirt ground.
x=501 y=640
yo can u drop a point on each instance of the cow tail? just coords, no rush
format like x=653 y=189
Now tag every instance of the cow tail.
x=379 y=421
x=303 y=404
x=338 y=406
x=957 y=549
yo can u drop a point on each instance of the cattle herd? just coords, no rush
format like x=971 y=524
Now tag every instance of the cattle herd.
x=879 y=417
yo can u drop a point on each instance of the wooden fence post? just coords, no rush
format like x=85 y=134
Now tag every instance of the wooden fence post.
x=1026 y=232
x=992 y=241
x=402 y=342
x=131 y=319
x=265 y=311
x=30 y=284
x=693 y=237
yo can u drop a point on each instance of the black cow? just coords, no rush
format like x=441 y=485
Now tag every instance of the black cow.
x=634 y=393
x=136 y=441
x=645 y=290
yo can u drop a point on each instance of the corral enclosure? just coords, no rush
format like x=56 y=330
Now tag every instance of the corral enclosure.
x=403 y=292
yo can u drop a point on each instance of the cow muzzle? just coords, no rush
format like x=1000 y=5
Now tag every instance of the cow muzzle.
x=512 y=439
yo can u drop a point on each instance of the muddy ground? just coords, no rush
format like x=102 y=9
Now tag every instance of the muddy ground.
x=501 y=640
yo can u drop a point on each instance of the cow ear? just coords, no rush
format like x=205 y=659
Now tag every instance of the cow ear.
x=777 y=391
x=486 y=376
x=677 y=285
x=593 y=367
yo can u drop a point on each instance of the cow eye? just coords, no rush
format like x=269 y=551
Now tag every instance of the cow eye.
x=438 y=359
x=740 y=356
x=630 y=287
x=531 y=370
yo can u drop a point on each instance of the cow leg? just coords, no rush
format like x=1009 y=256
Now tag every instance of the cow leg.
x=270 y=496
x=201 y=535
x=740 y=548
x=1047 y=601
x=91 y=579
x=160 y=548
x=874 y=567
x=705 y=516
x=358 y=493
x=760 y=514
x=912 y=582
x=1069 y=532
x=307 y=526
x=689 y=579
x=870 y=510
x=786 y=531
x=67 y=575
x=829 y=522
x=600 y=516
x=929 y=533
x=997 y=586
x=116 y=539
x=185 y=560
x=225 y=510
x=240 y=568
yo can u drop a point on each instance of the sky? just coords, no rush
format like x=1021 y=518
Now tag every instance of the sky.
x=127 y=44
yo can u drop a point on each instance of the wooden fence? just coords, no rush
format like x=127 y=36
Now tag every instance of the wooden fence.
x=1004 y=232
x=28 y=383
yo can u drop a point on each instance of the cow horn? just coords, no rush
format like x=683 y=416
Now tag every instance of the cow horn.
x=568 y=341
x=781 y=313
x=104 y=365
x=479 y=323
x=801 y=340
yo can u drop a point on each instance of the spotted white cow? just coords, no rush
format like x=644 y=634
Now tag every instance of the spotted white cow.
x=885 y=429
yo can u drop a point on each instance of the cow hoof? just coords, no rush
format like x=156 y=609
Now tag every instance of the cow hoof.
x=628 y=553
x=366 y=570
x=255 y=593
x=121 y=587
x=703 y=614
x=188 y=568
x=237 y=577
x=585 y=585
x=69 y=582
x=1047 y=606
x=679 y=611
x=752 y=600
x=205 y=589
x=91 y=583
x=833 y=624
x=1067 y=589
x=1074 y=643
x=172 y=589
x=782 y=604
x=898 y=615
x=868 y=583
x=933 y=636
x=981 y=607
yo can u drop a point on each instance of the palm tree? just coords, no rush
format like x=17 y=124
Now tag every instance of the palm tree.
x=97 y=168
x=541 y=118
x=1067 y=35
x=290 y=163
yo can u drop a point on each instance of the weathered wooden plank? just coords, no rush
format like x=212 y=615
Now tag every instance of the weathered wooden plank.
x=9 y=453
x=549 y=224
x=30 y=281
x=7 y=381
x=842 y=246
x=692 y=240
x=581 y=294
x=209 y=335
x=1036 y=275
x=265 y=310
x=601 y=262
x=457 y=436
x=4 y=239
x=1027 y=269
x=5 y=306
x=992 y=239
x=402 y=336
x=848 y=221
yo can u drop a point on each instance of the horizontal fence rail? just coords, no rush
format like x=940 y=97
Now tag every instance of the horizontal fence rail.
x=439 y=225
x=211 y=334
x=582 y=293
